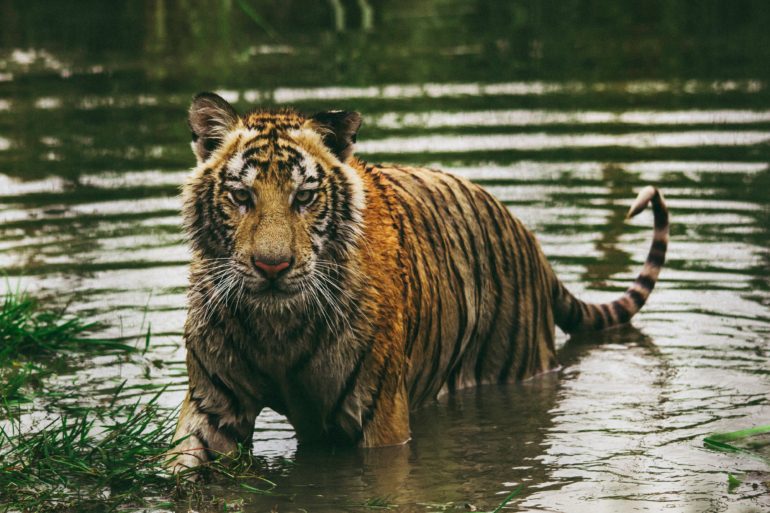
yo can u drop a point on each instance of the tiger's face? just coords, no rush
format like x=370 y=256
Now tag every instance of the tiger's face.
x=271 y=208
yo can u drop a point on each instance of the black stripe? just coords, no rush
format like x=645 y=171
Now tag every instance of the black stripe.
x=368 y=415
x=575 y=315
x=582 y=312
x=518 y=336
x=344 y=211
x=645 y=281
x=350 y=382
x=212 y=419
x=469 y=253
x=232 y=182
x=424 y=266
x=204 y=442
x=319 y=173
x=490 y=252
x=324 y=215
x=637 y=297
x=269 y=135
x=252 y=152
x=408 y=277
x=656 y=258
x=621 y=313
x=599 y=320
x=457 y=283
x=331 y=227
x=221 y=213
x=435 y=344
x=248 y=164
x=532 y=343
x=607 y=313
x=219 y=385
x=659 y=245
x=660 y=213
x=214 y=225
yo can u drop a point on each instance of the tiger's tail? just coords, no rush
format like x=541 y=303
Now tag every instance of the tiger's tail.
x=572 y=314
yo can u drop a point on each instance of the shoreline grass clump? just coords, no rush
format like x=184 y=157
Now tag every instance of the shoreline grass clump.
x=97 y=460
x=27 y=330
x=35 y=342
x=108 y=458
x=102 y=457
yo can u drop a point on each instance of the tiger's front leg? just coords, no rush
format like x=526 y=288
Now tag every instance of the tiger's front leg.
x=213 y=422
x=385 y=415
x=389 y=423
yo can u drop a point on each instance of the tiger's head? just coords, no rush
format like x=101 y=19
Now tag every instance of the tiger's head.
x=272 y=205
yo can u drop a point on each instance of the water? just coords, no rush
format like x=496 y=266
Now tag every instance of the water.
x=563 y=110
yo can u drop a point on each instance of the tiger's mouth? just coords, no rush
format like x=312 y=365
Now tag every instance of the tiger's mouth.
x=279 y=289
x=303 y=285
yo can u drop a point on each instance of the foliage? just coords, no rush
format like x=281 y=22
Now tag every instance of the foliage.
x=35 y=341
x=87 y=459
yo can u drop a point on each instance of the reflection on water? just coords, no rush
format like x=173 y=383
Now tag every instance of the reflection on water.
x=526 y=98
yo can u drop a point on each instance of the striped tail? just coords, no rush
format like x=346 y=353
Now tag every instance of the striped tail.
x=572 y=314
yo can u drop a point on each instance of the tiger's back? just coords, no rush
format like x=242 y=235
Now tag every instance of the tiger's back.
x=479 y=305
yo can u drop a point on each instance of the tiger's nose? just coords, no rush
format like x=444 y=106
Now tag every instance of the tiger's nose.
x=271 y=268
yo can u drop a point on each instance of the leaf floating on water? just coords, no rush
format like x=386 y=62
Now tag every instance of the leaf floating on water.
x=723 y=441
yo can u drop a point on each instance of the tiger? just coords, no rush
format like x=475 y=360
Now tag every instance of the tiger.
x=344 y=295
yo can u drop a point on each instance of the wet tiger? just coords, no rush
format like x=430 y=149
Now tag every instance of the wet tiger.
x=343 y=294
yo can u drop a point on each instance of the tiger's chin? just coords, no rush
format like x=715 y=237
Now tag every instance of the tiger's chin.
x=276 y=297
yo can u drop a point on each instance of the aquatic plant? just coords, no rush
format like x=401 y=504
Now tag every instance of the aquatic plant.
x=36 y=341
x=91 y=461
x=92 y=458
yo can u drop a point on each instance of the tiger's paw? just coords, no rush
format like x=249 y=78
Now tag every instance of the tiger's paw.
x=187 y=456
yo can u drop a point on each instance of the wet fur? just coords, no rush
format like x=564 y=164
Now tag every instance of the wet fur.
x=425 y=284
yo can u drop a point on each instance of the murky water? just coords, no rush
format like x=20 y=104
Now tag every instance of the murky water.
x=563 y=111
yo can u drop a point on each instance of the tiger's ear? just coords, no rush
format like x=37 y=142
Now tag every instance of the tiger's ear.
x=339 y=130
x=210 y=118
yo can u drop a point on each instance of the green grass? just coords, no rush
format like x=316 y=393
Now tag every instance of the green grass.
x=94 y=461
x=101 y=458
x=753 y=442
x=106 y=459
x=28 y=331
x=509 y=498
x=750 y=438
x=35 y=342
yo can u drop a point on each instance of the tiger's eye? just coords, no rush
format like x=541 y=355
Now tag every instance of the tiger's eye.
x=240 y=196
x=304 y=197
